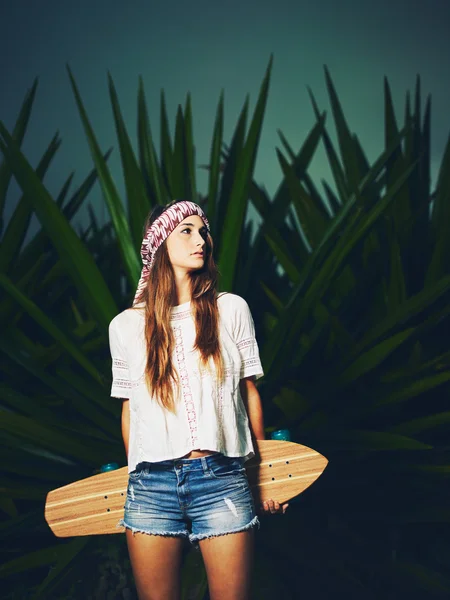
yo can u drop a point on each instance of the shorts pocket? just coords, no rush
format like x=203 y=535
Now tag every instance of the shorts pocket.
x=226 y=467
x=136 y=475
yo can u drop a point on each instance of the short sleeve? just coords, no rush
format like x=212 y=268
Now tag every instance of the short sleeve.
x=121 y=385
x=244 y=337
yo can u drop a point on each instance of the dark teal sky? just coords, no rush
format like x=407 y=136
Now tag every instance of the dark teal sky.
x=204 y=46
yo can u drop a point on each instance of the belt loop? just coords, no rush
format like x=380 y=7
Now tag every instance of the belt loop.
x=204 y=464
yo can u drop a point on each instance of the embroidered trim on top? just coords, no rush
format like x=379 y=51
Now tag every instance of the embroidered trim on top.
x=228 y=371
x=245 y=343
x=185 y=387
x=250 y=362
x=122 y=383
x=185 y=314
x=119 y=363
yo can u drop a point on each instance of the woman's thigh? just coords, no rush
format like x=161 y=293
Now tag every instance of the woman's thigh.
x=228 y=562
x=223 y=520
x=155 y=529
x=156 y=563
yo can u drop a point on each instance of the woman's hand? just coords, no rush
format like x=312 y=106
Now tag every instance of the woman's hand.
x=271 y=507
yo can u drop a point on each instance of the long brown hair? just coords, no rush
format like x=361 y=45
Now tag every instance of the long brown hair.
x=159 y=296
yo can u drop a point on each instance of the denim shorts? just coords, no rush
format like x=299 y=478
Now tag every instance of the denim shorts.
x=193 y=498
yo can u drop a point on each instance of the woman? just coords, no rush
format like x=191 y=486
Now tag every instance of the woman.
x=184 y=363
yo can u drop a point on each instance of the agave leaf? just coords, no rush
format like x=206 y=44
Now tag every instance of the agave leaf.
x=61 y=553
x=274 y=213
x=16 y=347
x=373 y=357
x=238 y=200
x=178 y=172
x=31 y=407
x=303 y=176
x=340 y=338
x=189 y=153
x=275 y=301
x=49 y=326
x=415 y=426
x=349 y=214
x=401 y=210
x=18 y=135
x=39 y=243
x=292 y=403
x=11 y=489
x=300 y=303
x=376 y=441
x=71 y=446
x=166 y=153
x=153 y=176
x=410 y=308
x=278 y=246
x=415 y=151
x=44 y=466
x=439 y=264
x=8 y=506
x=434 y=469
x=346 y=142
x=231 y=165
x=422 y=576
x=23 y=523
x=110 y=194
x=138 y=203
x=37 y=407
x=408 y=145
x=277 y=236
x=335 y=165
x=18 y=224
x=396 y=293
x=79 y=263
x=62 y=195
x=311 y=218
x=425 y=154
x=415 y=388
x=214 y=162
x=299 y=165
x=69 y=553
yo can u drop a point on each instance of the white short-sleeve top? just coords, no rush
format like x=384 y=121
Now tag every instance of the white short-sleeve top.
x=210 y=415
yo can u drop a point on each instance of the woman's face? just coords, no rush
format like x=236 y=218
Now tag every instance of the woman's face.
x=186 y=244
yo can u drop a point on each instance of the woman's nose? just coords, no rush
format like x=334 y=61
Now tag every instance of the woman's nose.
x=200 y=240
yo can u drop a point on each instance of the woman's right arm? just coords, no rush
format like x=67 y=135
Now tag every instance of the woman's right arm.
x=125 y=423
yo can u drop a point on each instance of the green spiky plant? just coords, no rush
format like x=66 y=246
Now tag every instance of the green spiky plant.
x=350 y=293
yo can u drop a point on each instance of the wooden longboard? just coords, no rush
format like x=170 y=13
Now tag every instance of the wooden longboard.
x=91 y=506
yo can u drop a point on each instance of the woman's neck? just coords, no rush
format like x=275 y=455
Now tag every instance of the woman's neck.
x=183 y=286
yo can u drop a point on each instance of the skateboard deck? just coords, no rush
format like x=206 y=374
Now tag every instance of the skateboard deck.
x=280 y=470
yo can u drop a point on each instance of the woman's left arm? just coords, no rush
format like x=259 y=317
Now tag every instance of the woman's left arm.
x=253 y=406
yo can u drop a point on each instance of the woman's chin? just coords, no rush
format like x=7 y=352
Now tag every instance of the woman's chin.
x=198 y=263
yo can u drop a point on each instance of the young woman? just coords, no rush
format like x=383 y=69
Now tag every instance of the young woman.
x=184 y=362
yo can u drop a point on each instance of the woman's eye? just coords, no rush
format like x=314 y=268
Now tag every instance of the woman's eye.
x=187 y=229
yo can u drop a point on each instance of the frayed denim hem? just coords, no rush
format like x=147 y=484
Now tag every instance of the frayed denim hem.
x=194 y=539
x=181 y=534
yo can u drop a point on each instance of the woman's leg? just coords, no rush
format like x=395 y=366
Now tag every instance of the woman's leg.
x=156 y=563
x=229 y=561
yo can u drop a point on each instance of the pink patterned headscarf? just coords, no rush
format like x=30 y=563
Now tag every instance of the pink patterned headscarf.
x=160 y=230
